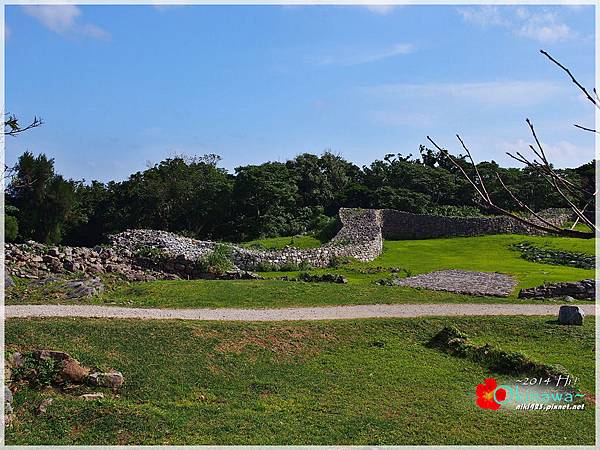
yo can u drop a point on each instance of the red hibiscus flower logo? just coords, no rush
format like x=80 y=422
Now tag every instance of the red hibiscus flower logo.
x=485 y=394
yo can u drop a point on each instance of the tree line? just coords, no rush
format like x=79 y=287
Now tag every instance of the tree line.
x=194 y=196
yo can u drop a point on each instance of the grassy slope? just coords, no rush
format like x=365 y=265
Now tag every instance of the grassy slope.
x=486 y=253
x=296 y=383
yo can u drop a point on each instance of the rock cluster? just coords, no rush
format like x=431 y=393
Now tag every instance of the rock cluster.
x=533 y=253
x=581 y=290
x=65 y=370
x=315 y=278
x=35 y=260
x=8 y=409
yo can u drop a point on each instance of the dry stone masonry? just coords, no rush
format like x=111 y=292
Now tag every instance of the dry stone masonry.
x=581 y=290
x=142 y=255
x=402 y=225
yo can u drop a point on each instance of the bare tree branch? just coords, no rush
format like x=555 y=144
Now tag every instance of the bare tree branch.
x=574 y=80
x=475 y=167
x=523 y=205
x=489 y=202
x=584 y=128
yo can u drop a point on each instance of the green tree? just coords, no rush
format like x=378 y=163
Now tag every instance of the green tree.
x=43 y=198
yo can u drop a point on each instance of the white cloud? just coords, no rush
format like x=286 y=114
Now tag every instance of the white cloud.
x=381 y=9
x=496 y=93
x=64 y=19
x=543 y=26
x=353 y=58
x=483 y=16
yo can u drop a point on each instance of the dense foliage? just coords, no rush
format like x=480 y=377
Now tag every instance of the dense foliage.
x=195 y=197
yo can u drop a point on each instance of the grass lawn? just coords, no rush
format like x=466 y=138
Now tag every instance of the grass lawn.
x=486 y=253
x=301 y=241
x=345 y=382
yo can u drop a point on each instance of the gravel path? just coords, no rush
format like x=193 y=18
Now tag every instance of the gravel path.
x=316 y=313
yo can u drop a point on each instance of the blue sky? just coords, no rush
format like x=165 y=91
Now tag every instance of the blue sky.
x=120 y=87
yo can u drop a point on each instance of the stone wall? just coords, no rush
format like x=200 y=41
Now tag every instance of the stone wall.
x=581 y=290
x=399 y=225
x=361 y=237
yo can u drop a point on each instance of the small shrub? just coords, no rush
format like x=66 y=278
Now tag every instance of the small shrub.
x=154 y=254
x=305 y=265
x=339 y=261
x=37 y=372
x=289 y=266
x=219 y=261
x=266 y=266
x=325 y=227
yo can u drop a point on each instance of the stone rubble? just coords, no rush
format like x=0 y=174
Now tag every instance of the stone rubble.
x=462 y=282
x=581 y=290
x=130 y=254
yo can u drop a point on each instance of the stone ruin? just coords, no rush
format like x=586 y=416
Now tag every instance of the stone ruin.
x=361 y=237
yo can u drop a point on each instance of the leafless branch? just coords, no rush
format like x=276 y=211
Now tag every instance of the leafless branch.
x=585 y=128
x=489 y=202
x=523 y=205
x=574 y=80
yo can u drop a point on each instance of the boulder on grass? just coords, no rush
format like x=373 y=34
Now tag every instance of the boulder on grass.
x=570 y=315
x=112 y=379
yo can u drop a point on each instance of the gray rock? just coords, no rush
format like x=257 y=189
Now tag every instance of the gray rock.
x=16 y=360
x=8 y=396
x=8 y=281
x=92 y=396
x=570 y=315
x=51 y=354
x=89 y=287
x=112 y=379
x=41 y=409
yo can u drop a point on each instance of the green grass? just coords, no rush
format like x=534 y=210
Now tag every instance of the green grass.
x=295 y=383
x=486 y=253
x=301 y=241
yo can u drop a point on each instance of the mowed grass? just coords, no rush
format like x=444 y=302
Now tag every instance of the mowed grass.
x=362 y=382
x=488 y=254
x=485 y=253
x=301 y=241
